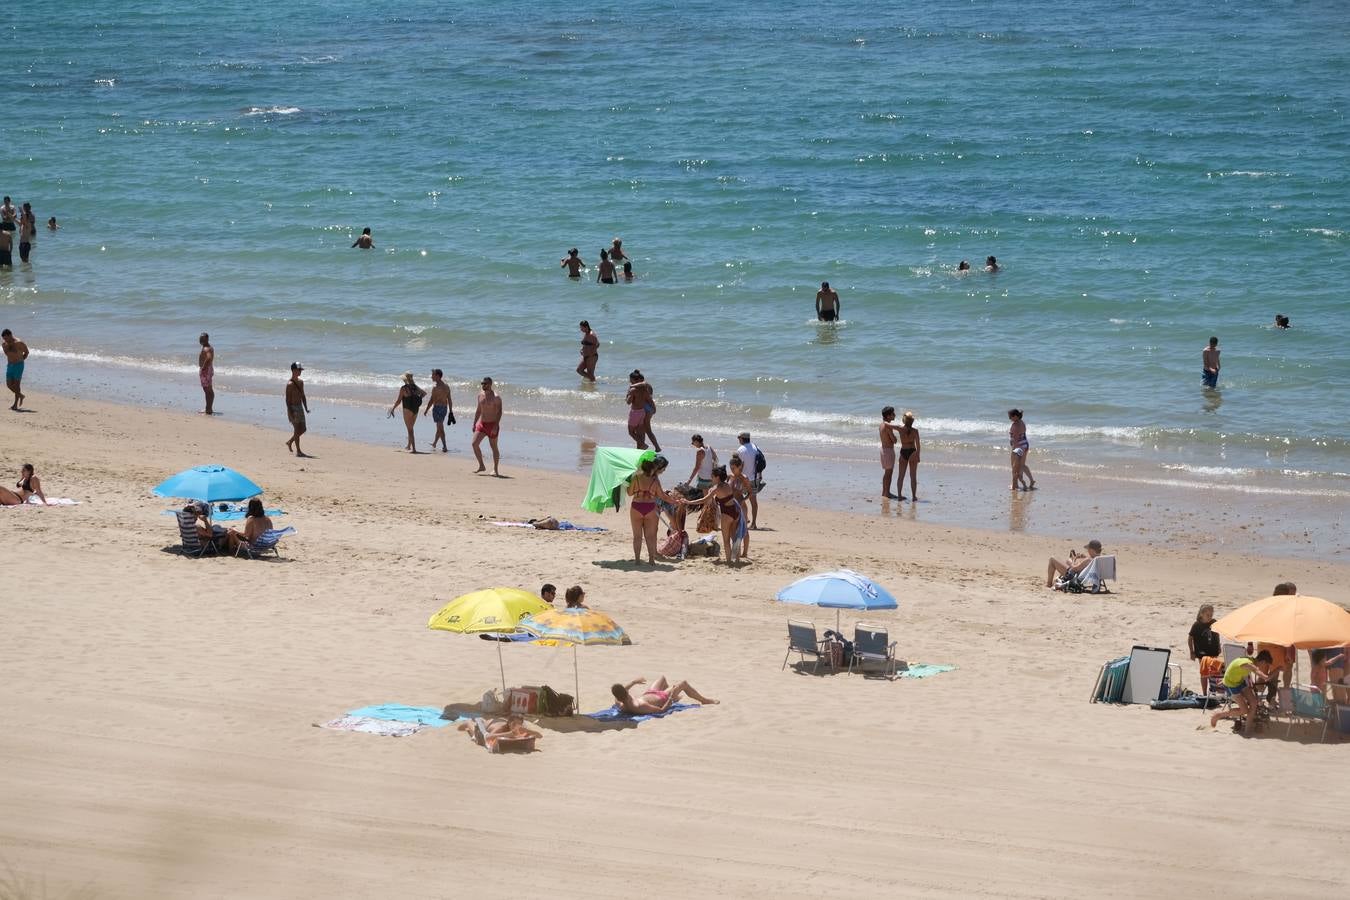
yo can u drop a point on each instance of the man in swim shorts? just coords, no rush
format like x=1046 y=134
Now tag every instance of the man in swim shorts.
x=487 y=420
x=827 y=303
x=16 y=352
x=656 y=699
x=888 y=432
x=365 y=241
x=1209 y=358
x=6 y=250
x=206 y=371
x=440 y=405
x=572 y=263
x=297 y=406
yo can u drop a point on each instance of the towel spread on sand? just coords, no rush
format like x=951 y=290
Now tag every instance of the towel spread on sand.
x=230 y=515
x=922 y=670
x=397 y=712
x=51 y=501
x=373 y=726
x=613 y=715
x=562 y=526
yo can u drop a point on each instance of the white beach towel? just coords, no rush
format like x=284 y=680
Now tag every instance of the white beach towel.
x=372 y=726
x=51 y=501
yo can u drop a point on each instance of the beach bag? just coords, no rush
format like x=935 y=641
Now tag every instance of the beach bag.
x=1069 y=584
x=552 y=703
x=675 y=544
x=707 y=519
x=760 y=462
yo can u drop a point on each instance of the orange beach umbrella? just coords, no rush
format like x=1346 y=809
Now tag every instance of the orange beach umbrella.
x=1293 y=620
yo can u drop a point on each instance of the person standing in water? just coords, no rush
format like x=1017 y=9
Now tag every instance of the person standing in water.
x=828 y=306
x=206 y=372
x=1209 y=360
x=605 y=275
x=487 y=421
x=297 y=407
x=616 y=254
x=636 y=398
x=1021 y=448
x=365 y=241
x=440 y=406
x=572 y=263
x=410 y=396
x=590 y=351
x=888 y=432
x=909 y=456
x=990 y=264
x=27 y=231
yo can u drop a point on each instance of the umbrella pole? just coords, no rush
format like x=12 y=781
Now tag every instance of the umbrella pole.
x=502 y=667
x=576 y=679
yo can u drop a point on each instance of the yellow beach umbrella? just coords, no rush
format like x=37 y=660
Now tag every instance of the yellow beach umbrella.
x=555 y=627
x=1292 y=620
x=489 y=611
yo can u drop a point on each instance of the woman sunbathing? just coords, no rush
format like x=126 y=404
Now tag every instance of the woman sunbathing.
x=511 y=728
x=255 y=523
x=28 y=485
x=657 y=698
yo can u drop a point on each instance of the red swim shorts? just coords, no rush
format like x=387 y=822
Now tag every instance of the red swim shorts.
x=488 y=428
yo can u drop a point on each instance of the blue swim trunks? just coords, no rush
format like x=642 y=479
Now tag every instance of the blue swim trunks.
x=438 y=413
x=14 y=371
x=1211 y=379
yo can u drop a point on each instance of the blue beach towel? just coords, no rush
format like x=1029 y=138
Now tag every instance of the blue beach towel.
x=922 y=670
x=395 y=712
x=613 y=715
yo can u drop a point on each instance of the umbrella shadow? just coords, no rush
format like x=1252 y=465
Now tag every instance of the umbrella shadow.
x=632 y=565
x=582 y=724
x=804 y=667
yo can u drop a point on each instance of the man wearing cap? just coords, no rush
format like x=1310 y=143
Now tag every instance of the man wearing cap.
x=297 y=406
x=1075 y=564
x=487 y=419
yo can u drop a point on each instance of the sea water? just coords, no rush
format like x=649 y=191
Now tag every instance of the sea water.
x=1147 y=175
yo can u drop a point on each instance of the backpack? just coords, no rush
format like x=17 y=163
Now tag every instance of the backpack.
x=760 y=463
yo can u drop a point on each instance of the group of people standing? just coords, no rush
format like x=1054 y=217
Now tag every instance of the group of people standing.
x=20 y=222
x=607 y=272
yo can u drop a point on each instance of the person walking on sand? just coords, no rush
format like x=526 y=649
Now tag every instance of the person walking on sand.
x=752 y=465
x=1209 y=359
x=590 y=351
x=909 y=456
x=487 y=420
x=410 y=396
x=297 y=407
x=828 y=306
x=206 y=371
x=888 y=433
x=649 y=410
x=1021 y=449
x=705 y=458
x=440 y=406
x=572 y=263
x=365 y=241
x=16 y=354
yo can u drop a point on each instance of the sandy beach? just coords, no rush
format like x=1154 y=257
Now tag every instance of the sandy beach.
x=159 y=740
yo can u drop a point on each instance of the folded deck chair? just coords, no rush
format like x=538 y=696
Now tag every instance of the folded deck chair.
x=802 y=641
x=872 y=643
x=500 y=743
x=193 y=545
x=266 y=541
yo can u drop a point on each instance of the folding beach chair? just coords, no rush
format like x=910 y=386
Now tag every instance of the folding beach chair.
x=1092 y=579
x=802 y=641
x=192 y=542
x=1308 y=706
x=872 y=643
x=266 y=541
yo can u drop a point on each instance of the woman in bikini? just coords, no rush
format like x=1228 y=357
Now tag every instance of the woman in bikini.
x=28 y=485
x=729 y=509
x=909 y=455
x=656 y=699
x=410 y=395
x=645 y=490
x=636 y=398
x=1021 y=448
x=605 y=275
x=743 y=488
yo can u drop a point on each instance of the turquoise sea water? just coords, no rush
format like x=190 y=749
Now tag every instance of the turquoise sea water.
x=1147 y=175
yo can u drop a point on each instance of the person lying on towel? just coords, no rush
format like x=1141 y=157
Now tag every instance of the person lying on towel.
x=511 y=728
x=656 y=699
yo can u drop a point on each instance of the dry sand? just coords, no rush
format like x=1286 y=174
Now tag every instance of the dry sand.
x=158 y=741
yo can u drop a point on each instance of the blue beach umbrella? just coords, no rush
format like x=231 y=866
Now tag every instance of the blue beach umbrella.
x=839 y=590
x=208 y=483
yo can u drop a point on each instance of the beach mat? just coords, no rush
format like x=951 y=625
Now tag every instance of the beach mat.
x=923 y=670
x=614 y=715
x=51 y=501
x=397 y=712
x=371 y=726
x=563 y=525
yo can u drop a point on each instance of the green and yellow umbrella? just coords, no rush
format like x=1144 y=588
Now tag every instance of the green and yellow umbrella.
x=490 y=611
x=554 y=627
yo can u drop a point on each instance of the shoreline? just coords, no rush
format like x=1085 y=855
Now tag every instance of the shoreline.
x=961 y=486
